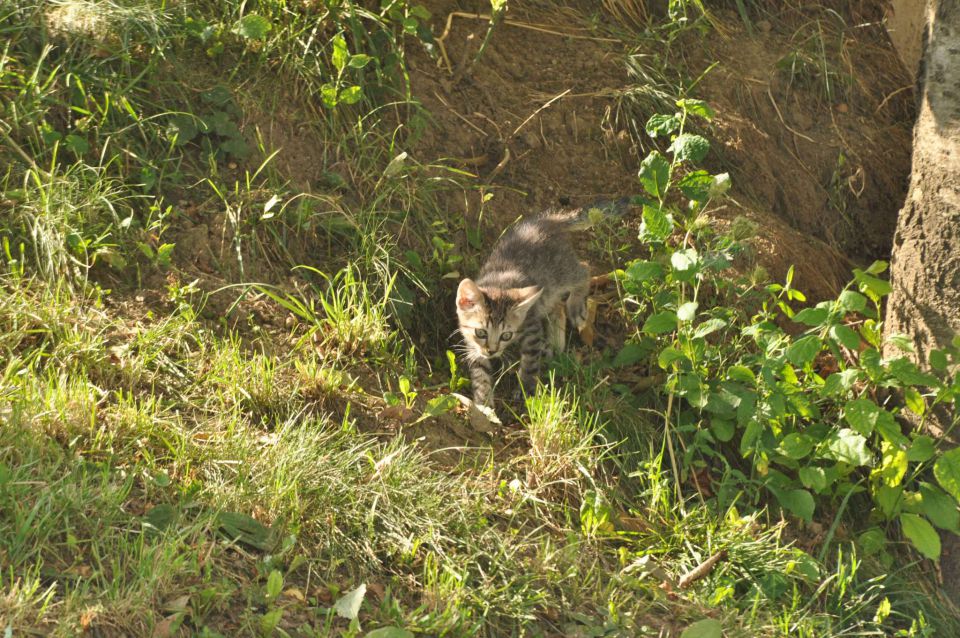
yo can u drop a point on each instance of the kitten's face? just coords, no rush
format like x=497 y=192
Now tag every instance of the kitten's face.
x=492 y=319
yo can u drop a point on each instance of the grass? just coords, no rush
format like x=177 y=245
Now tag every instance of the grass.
x=162 y=471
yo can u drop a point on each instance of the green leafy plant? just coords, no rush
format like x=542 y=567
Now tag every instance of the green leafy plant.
x=215 y=129
x=796 y=405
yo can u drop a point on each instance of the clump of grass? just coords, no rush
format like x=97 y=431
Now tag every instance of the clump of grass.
x=818 y=51
x=563 y=437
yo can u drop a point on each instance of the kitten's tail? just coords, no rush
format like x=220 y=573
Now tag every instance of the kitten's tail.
x=587 y=216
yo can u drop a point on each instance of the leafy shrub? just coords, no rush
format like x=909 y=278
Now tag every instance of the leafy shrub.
x=797 y=405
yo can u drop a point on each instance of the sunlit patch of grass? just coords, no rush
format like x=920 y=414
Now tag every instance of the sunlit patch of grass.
x=563 y=437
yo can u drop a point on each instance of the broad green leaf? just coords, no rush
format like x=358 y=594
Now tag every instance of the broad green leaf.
x=709 y=327
x=642 y=271
x=938 y=360
x=655 y=174
x=873 y=286
x=390 y=632
x=696 y=107
x=348 y=606
x=668 y=356
x=939 y=507
x=922 y=449
x=270 y=620
x=871 y=541
x=182 y=129
x=741 y=373
x=846 y=336
x=706 y=628
x=252 y=27
x=914 y=401
x=440 y=405
x=661 y=124
x=77 y=144
x=908 y=372
x=893 y=464
x=160 y=517
x=796 y=445
x=657 y=222
x=812 y=316
x=947 y=471
x=359 y=60
x=889 y=500
x=849 y=447
x=328 y=93
x=339 y=55
x=798 y=502
x=921 y=534
x=804 y=350
x=660 y=323
x=689 y=147
x=878 y=267
x=696 y=185
x=852 y=301
x=245 y=529
x=274 y=585
x=351 y=95
x=814 y=478
x=687 y=311
x=889 y=429
x=684 y=260
x=722 y=429
x=861 y=414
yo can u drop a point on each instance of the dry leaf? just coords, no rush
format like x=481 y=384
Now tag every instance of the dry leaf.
x=377 y=590
x=587 y=331
x=295 y=593
x=168 y=626
x=397 y=413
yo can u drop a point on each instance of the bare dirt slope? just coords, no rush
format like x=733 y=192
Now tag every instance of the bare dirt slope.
x=818 y=147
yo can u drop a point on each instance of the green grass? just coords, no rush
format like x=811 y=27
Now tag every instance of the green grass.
x=166 y=450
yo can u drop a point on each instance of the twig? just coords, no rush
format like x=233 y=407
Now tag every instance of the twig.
x=701 y=570
x=29 y=160
x=782 y=121
x=887 y=99
x=534 y=114
x=499 y=167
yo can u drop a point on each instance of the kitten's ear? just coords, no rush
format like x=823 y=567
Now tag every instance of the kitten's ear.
x=526 y=297
x=469 y=296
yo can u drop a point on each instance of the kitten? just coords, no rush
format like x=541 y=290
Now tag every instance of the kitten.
x=532 y=270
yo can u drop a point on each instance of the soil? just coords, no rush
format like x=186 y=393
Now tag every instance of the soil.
x=540 y=118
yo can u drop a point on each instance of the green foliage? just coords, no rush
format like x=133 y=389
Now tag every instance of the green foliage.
x=802 y=408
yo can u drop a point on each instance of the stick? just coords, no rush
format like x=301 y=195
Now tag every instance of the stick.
x=534 y=114
x=701 y=570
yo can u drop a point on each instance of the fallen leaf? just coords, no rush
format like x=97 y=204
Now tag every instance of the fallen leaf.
x=377 y=590
x=587 y=331
x=397 y=413
x=295 y=593
x=178 y=604
x=348 y=606
x=167 y=627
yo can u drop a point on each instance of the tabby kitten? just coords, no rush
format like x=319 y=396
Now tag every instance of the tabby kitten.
x=532 y=270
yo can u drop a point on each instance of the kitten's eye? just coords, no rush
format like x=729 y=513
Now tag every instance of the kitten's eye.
x=506 y=336
x=480 y=333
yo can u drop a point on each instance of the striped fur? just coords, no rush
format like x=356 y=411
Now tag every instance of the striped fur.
x=532 y=274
